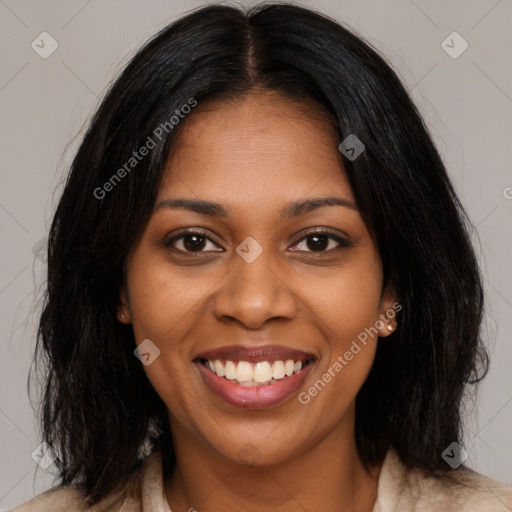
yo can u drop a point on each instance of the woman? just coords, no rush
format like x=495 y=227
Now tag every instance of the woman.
x=261 y=290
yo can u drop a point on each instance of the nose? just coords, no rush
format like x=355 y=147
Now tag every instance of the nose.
x=253 y=293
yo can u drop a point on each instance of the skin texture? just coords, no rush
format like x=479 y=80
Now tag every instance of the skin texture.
x=253 y=155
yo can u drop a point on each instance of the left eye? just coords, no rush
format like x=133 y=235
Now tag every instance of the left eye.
x=319 y=242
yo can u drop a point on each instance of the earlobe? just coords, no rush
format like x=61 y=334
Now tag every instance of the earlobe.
x=390 y=306
x=123 y=310
x=387 y=324
x=122 y=316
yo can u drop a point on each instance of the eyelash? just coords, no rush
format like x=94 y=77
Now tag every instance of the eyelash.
x=343 y=243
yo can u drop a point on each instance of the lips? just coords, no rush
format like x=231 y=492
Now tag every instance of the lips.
x=255 y=354
x=254 y=376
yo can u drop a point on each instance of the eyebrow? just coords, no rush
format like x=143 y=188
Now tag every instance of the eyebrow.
x=293 y=209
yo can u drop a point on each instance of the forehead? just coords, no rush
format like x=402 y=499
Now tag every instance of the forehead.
x=261 y=145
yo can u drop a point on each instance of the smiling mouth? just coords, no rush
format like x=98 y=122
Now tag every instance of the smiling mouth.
x=250 y=374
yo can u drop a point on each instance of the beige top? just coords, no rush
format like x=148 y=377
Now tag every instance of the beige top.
x=399 y=490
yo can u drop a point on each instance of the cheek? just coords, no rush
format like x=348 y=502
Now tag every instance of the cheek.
x=167 y=305
x=164 y=307
x=347 y=301
x=163 y=304
x=347 y=308
x=340 y=375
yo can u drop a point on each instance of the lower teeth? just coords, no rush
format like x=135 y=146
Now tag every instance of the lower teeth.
x=248 y=383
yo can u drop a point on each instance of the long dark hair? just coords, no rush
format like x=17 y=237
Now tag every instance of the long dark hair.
x=98 y=403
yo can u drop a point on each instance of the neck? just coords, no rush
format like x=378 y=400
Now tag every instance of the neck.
x=327 y=476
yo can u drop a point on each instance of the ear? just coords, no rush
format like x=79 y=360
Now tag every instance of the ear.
x=123 y=310
x=388 y=311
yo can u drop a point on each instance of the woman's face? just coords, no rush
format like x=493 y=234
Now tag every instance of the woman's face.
x=244 y=280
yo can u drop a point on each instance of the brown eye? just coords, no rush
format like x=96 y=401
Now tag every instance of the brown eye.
x=320 y=241
x=194 y=242
x=191 y=241
x=317 y=242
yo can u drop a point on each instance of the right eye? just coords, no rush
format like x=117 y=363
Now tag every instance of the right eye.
x=191 y=242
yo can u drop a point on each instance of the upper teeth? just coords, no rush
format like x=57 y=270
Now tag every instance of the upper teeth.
x=260 y=372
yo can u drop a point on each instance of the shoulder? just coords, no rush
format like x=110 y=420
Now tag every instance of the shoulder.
x=72 y=499
x=57 y=499
x=461 y=490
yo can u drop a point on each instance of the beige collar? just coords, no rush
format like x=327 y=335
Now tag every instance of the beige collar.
x=398 y=490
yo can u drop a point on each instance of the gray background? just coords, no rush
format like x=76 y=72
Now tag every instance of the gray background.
x=466 y=102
